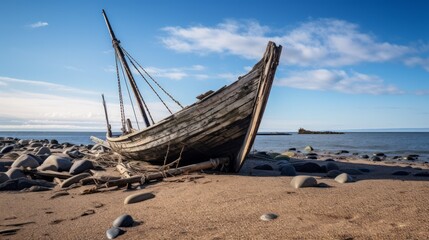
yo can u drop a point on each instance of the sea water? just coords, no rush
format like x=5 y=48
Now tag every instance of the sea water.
x=390 y=143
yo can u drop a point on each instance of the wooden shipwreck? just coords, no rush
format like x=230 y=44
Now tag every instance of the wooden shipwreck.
x=221 y=124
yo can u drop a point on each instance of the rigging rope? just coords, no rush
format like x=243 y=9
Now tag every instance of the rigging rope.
x=121 y=102
x=159 y=97
x=133 y=60
x=129 y=95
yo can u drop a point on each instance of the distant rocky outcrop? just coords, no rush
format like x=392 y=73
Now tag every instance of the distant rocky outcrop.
x=304 y=131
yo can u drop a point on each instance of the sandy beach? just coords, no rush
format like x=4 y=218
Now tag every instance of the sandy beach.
x=215 y=205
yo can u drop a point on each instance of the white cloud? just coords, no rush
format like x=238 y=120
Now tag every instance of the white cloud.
x=46 y=85
x=325 y=42
x=73 y=68
x=337 y=80
x=178 y=73
x=39 y=24
x=418 y=61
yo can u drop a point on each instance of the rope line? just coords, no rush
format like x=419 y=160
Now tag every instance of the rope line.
x=121 y=102
x=169 y=95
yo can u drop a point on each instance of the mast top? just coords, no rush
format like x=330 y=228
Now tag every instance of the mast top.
x=112 y=34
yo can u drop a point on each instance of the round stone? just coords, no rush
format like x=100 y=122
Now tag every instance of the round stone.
x=344 y=178
x=282 y=157
x=61 y=163
x=15 y=173
x=81 y=166
x=6 y=149
x=375 y=159
x=43 y=151
x=303 y=181
x=287 y=170
x=25 y=161
x=123 y=221
x=114 y=232
x=308 y=148
x=364 y=156
x=268 y=217
x=54 y=141
x=380 y=154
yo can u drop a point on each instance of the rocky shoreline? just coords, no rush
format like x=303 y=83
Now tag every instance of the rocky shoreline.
x=51 y=177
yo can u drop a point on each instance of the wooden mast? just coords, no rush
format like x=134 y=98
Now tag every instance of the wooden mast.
x=130 y=77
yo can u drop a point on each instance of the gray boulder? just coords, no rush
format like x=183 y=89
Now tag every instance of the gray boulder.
x=6 y=149
x=43 y=151
x=308 y=167
x=287 y=170
x=60 y=162
x=15 y=173
x=123 y=221
x=81 y=166
x=25 y=161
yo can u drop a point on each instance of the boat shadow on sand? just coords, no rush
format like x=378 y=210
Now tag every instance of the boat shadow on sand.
x=319 y=169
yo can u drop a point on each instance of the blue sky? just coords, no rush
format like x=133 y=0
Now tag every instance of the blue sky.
x=345 y=64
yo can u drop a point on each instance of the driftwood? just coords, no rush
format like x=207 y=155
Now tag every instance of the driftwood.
x=213 y=163
x=123 y=170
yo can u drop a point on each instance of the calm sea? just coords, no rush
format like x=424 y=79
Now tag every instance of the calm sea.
x=391 y=143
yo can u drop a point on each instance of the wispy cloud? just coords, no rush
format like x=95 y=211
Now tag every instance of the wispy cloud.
x=39 y=24
x=418 y=61
x=46 y=85
x=324 y=42
x=178 y=73
x=337 y=80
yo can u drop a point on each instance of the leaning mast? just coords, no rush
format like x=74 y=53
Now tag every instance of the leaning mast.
x=130 y=77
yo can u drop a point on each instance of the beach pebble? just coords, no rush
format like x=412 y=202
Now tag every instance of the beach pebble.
x=15 y=173
x=303 y=181
x=43 y=151
x=75 y=179
x=61 y=163
x=364 y=156
x=329 y=160
x=287 y=170
x=6 y=149
x=3 y=177
x=35 y=144
x=263 y=167
x=311 y=157
x=123 y=221
x=421 y=174
x=24 y=142
x=400 y=173
x=333 y=173
x=375 y=159
x=331 y=166
x=53 y=141
x=289 y=154
x=308 y=148
x=351 y=171
x=81 y=166
x=409 y=158
x=344 y=178
x=25 y=161
x=114 y=232
x=268 y=217
x=308 y=167
x=138 y=197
